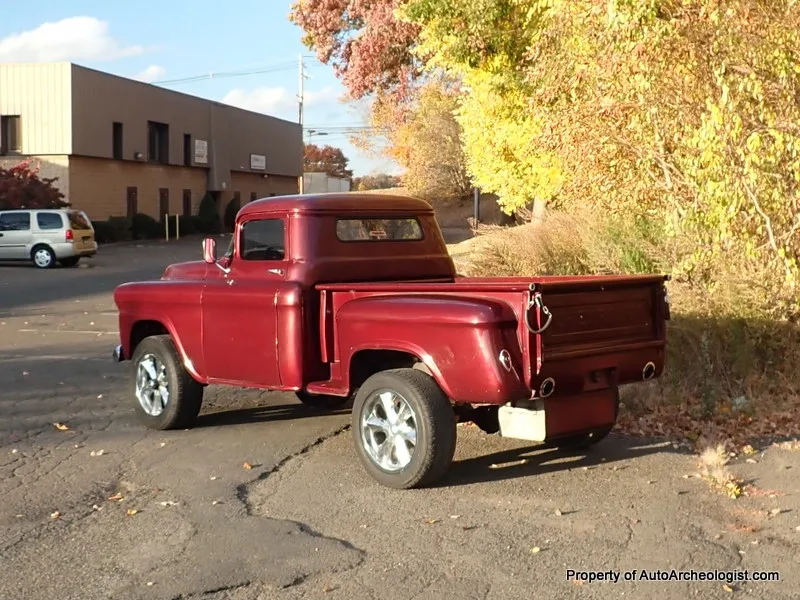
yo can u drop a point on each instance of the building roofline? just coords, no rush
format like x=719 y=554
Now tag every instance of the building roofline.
x=74 y=65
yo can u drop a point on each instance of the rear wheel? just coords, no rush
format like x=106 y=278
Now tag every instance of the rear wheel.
x=585 y=440
x=70 y=261
x=321 y=401
x=167 y=397
x=404 y=428
x=43 y=257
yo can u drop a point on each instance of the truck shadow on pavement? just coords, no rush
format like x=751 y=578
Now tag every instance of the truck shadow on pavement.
x=539 y=459
x=221 y=417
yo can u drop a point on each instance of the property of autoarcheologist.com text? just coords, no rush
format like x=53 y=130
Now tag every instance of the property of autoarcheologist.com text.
x=614 y=576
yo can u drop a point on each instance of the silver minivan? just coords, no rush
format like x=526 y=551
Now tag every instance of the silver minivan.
x=46 y=236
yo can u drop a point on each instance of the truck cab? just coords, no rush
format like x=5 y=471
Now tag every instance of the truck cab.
x=351 y=297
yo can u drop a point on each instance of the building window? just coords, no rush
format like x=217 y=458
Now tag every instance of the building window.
x=253 y=196
x=10 y=134
x=163 y=202
x=187 y=203
x=158 y=142
x=116 y=140
x=132 y=199
x=187 y=150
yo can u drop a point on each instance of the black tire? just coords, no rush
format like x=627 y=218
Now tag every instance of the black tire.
x=583 y=441
x=43 y=257
x=435 y=428
x=321 y=401
x=185 y=393
x=71 y=261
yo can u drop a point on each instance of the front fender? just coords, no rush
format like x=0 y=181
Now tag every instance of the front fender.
x=175 y=305
x=458 y=339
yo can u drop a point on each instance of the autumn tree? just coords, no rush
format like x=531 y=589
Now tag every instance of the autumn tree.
x=380 y=181
x=683 y=110
x=368 y=47
x=21 y=187
x=326 y=159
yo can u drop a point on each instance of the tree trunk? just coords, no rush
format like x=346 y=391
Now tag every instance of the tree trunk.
x=539 y=208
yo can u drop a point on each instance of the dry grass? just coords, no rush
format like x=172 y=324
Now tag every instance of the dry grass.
x=714 y=470
x=733 y=366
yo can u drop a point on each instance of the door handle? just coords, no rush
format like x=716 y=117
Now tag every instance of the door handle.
x=275 y=271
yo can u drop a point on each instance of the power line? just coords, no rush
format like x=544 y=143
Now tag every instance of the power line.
x=286 y=66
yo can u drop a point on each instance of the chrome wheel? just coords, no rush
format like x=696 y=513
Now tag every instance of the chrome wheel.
x=152 y=385
x=389 y=430
x=43 y=258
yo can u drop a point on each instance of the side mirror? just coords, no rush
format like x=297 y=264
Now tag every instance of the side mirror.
x=210 y=250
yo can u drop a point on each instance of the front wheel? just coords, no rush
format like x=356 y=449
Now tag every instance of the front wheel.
x=43 y=257
x=404 y=428
x=167 y=397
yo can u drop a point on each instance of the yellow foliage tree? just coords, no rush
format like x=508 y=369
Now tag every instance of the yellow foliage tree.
x=683 y=110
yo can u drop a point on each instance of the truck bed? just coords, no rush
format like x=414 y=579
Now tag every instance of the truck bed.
x=604 y=331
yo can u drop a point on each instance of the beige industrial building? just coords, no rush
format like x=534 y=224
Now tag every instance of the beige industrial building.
x=120 y=147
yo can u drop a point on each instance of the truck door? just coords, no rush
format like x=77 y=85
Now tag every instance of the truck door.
x=239 y=312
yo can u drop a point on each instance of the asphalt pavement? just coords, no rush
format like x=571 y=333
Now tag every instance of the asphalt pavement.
x=265 y=499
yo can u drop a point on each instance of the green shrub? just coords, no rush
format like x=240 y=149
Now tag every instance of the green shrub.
x=145 y=227
x=122 y=228
x=207 y=216
x=230 y=214
x=103 y=232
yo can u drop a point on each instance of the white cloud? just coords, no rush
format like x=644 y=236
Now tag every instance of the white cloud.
x=277 y=101
x=151 y=74
x=71 y=39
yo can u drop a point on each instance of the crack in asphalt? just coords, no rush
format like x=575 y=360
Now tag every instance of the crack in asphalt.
x=218 y=590
x=243 y=491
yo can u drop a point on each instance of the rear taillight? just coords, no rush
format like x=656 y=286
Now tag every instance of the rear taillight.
x=69 y=235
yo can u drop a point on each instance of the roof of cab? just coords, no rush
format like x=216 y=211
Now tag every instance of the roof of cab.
x=337 y=202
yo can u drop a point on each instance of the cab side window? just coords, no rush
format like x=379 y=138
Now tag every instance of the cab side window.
x=15 y=221
x=263 y=239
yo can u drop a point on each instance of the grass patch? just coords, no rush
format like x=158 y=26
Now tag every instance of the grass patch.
x=733 y=354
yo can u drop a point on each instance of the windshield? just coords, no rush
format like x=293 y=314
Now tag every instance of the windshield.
x=229 y=252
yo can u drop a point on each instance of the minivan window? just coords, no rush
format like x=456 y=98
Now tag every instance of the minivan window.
x=79 y=220
x=15 y=221
x=49 y=221
x=262 y=239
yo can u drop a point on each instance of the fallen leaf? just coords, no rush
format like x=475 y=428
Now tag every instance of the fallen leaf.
x=329 y=588
x=727 y=588
x=752 y=461
x=535 y=549
x=97 y=453
x=797 y=528
x=116 y=498
x=718 y=536
x=19 y=516
x=14 y=451
x=775 y=511
x=162 y=444
x=431 y=521
x=215 y=502
x=61 y=426
x=150 y=583
x=247 y=466
x=454 y=516
x=25 y=373
x=168 y=503
x=213 y=478
x=469 y=527
x=558 y=513
x=578 y=581
x=131 y=511
x=95 y=507
x=55 y=515
x=748 y=449
x=99 y=396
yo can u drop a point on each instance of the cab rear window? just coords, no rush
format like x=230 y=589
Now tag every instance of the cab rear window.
x=379 y=230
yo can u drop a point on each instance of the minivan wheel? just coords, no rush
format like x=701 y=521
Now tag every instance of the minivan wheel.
x=70 y=261
x=404 y=428
x=167 y=396
x=43 y=257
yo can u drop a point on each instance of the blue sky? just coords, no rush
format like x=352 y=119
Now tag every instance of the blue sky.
x=173 y=39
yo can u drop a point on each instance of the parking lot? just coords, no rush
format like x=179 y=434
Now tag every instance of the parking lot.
x=266 y=499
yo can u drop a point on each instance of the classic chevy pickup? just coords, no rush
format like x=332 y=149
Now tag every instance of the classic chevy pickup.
x=342 y=296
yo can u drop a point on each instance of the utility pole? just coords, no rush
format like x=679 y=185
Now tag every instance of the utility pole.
x=300 y=100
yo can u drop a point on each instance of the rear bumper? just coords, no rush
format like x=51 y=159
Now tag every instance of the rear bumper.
x=118 y=354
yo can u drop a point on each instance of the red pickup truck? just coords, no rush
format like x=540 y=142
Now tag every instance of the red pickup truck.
x=349 y=296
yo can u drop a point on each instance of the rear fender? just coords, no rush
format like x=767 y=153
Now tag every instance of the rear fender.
x=458 y=340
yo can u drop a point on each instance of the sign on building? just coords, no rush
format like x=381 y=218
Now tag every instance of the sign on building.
x=258 y=162
x=201 y=152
